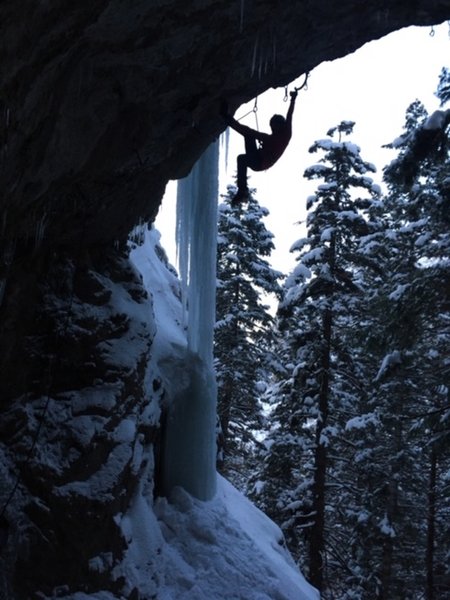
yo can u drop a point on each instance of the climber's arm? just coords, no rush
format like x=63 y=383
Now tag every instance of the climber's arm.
x=290 y=111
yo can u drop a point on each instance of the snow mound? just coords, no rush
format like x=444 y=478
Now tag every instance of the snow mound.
x=225 y=548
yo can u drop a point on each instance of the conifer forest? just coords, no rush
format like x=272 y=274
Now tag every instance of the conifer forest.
x=334 y=408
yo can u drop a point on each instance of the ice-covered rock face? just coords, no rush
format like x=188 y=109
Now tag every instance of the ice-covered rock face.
x=101 y=102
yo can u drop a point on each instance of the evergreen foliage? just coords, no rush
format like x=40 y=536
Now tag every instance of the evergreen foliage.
x=244 y=323
x=356 y=467
x=418 y=289
x=355 y=463
x=324 y=297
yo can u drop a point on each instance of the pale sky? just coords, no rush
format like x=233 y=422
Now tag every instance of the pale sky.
x=373 y=87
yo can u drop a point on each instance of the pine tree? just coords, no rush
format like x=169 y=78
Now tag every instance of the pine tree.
x=244 y=322
x=360 y=422
x=413 y=323
x=323 y=297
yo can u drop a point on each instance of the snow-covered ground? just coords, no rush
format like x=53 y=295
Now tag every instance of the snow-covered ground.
x=185 y=549
x=182 y=548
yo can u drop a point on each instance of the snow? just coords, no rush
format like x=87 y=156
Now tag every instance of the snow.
x=162 y=283
x=362 y=421
x=299 y=244
x=422 y=239
x=398 y=291
x=436 y=120
x=102 y=485
x=182 y=548
x=225 y=548
x=327 y=187
x=352 y=148
x=390 y=361
x=350 y=215
x=313 y=255
x=328 y=144
x=318 y=170
x=386 y=528
x=103 y=396
x=301 y=272
x=327 y=234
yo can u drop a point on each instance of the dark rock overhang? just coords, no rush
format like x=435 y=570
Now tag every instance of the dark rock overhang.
x=102 y=102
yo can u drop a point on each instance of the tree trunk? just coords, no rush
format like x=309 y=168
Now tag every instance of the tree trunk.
x=317 y=542
x=226 y=399
x=431 y=522
x=386 y=568
x=392 y=513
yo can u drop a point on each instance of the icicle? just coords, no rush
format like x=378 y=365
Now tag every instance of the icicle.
x=255 y=54
x=260 y=66
x=190 y=451
x=224 y=147
x=137 y=234
x=4 y=223
x=196 y=249
x=241 y=18
x=202 y=256
x=185 y=190
x=39 y=230
x=2 y=290
x=9 y=250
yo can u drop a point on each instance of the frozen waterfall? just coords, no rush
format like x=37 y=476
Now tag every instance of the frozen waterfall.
x=190 y=448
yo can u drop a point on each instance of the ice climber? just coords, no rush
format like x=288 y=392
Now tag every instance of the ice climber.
x=271 y=146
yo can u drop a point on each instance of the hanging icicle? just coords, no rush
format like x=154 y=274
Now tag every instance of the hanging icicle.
x=224 y=147
x=196 y=248
x=190 y=443
x=241 y=16
x=255 y=55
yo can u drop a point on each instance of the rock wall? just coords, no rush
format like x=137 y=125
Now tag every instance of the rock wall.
x=102 y=102
x=78 y=418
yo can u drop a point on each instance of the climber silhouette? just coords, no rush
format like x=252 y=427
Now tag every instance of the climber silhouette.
x=270 y=149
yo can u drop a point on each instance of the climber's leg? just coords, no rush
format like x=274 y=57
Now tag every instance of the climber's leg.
x=251 y=159
x=242 y=165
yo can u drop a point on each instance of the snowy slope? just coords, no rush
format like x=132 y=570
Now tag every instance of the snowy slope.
x=187 y=549
x=226 y=549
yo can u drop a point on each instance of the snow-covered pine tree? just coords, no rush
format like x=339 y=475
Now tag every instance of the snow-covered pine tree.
x=324 y=296
x=243 y=328
x=412 y=397
x=397 y=469
x=381 y=454
x=386 y=507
